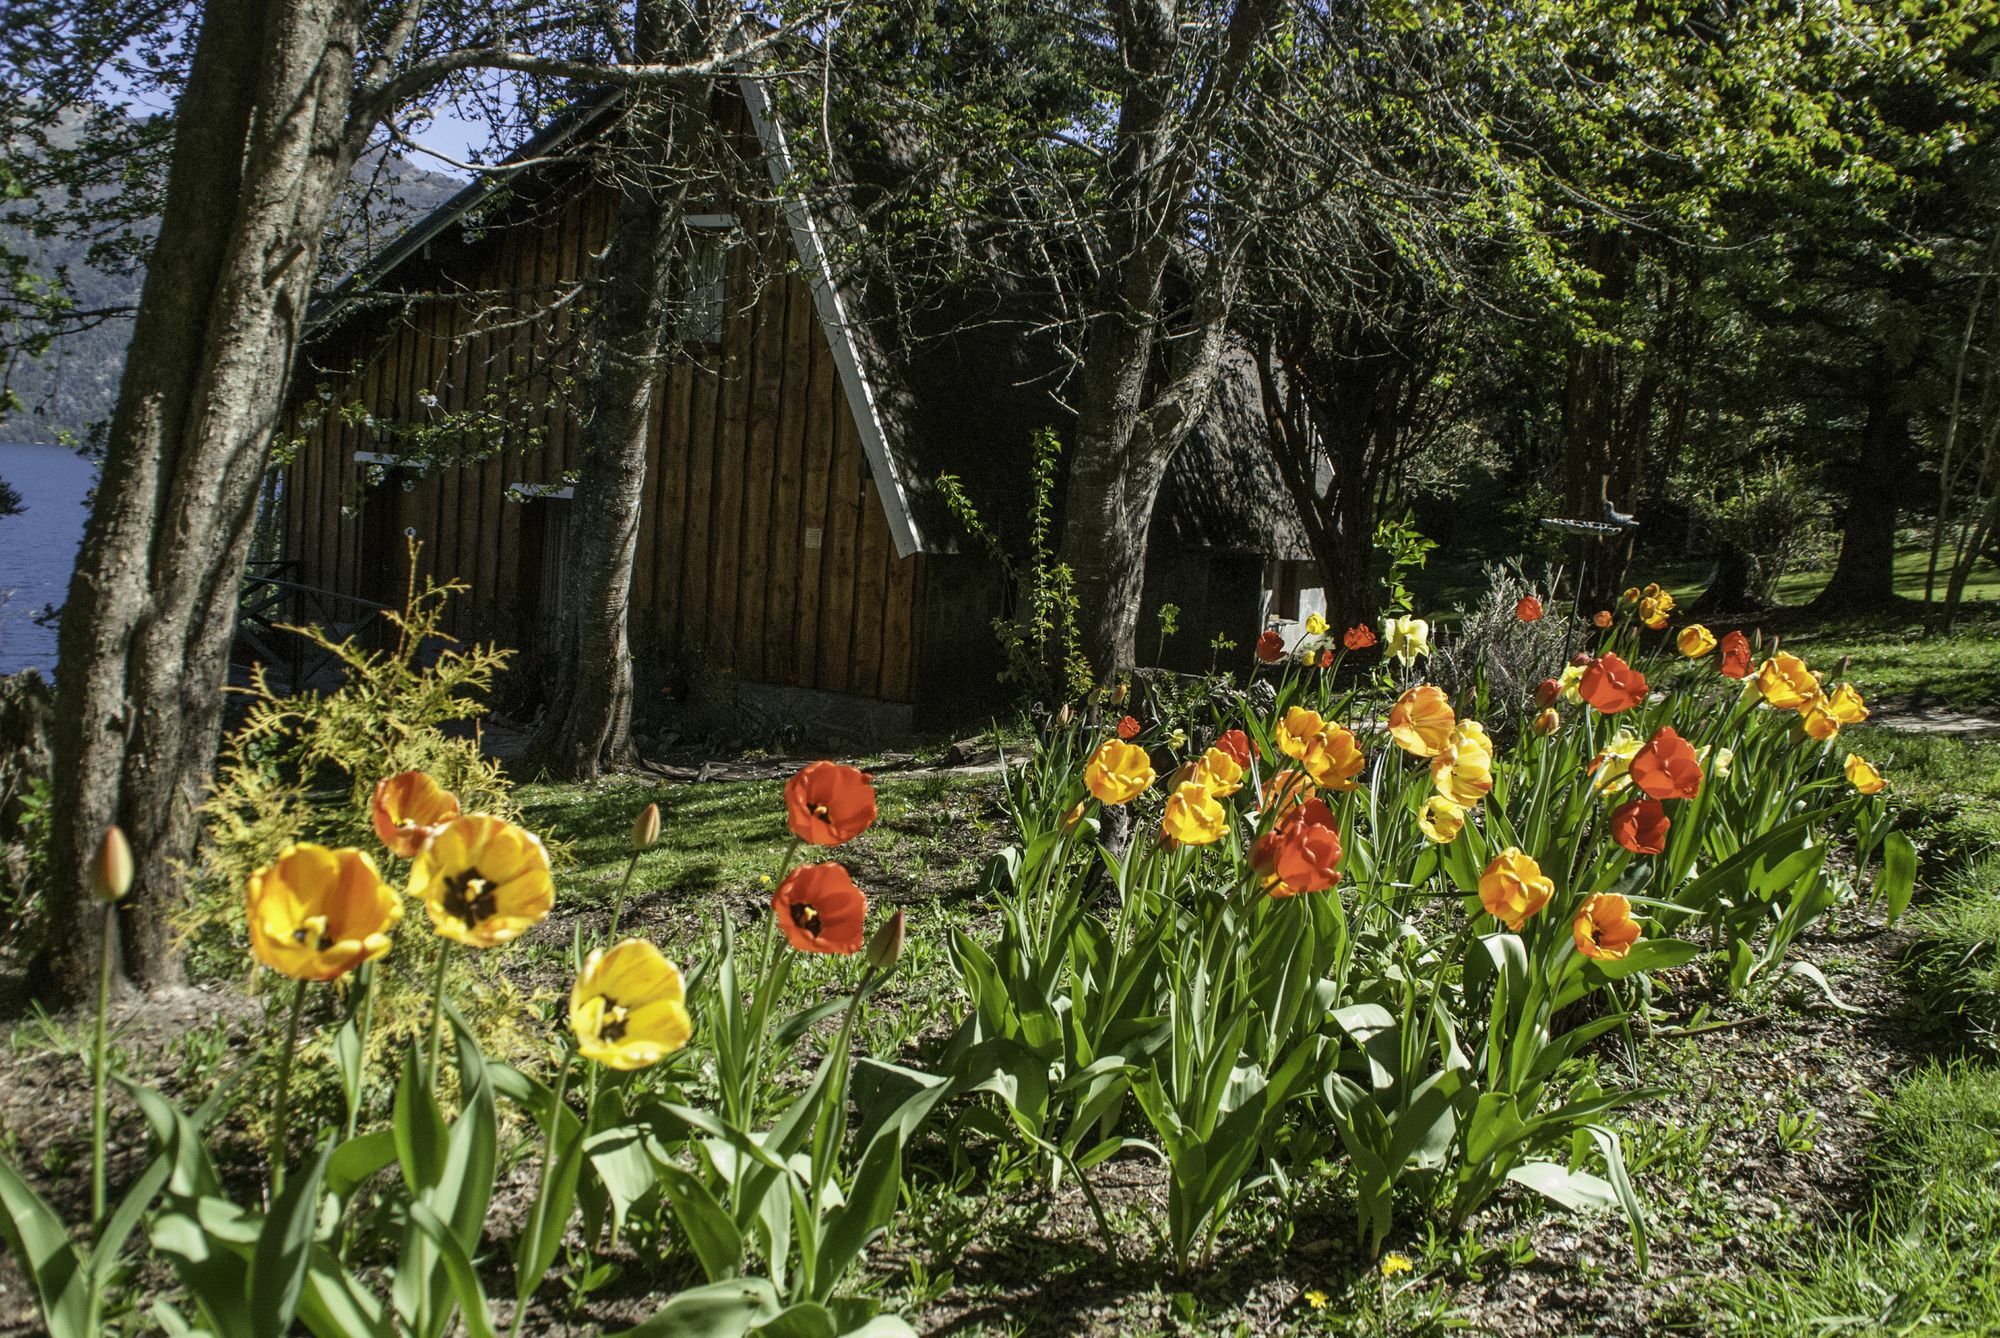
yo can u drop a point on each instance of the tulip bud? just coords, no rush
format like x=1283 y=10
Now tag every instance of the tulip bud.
x=1548 y=722
x=886 y=945
x=646 y=828
x=1182 y=775
x=1547 y=691
x=1063 y=716
x=1119 y=693
x=1075 y=815
x=111 y=867
x=1581 y=659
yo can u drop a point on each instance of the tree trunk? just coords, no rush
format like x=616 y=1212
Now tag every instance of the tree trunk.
x=1865 y=576
x=588 y=727
x=1130 y=421
x=260 y=150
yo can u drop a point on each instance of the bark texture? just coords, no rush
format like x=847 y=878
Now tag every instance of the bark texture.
x=1865 y=576
x=588 y=726
x=261 y=147
x=1133 y=412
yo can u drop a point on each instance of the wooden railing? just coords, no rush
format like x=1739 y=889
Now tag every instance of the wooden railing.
x=272 y=603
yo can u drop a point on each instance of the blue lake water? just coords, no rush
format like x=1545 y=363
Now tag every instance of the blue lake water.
x=38 y=547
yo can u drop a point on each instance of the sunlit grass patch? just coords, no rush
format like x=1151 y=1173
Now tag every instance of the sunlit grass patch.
x=1927 y=1261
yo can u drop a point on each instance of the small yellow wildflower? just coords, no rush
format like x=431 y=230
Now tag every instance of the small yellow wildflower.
x=1392 y=1264
x=1316 y=1298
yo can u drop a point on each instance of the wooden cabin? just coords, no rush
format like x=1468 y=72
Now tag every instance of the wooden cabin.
x=791 y=537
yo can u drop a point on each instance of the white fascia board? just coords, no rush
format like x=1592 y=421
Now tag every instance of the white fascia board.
x=833 y=318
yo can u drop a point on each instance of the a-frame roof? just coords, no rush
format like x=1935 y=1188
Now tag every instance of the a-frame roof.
x=589 y=119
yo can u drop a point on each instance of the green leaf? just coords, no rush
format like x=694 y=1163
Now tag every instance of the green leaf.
x=418 y=1127
x=458 y=1269
x=358 y=1160
x=623 y=1164
x=877 y=1183
x=1808 y=971
x=1575 y=1190
x=1899 y=873
x=718 y=1310
x=542 y=1235
x=713 y=1233
x=284 y=1250
x=804 y=1320
x=347 y=1058
x=125 y=1218
x=38 y=1240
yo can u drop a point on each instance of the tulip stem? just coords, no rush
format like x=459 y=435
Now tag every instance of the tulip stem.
x=106 y=952
x=437 y=1012
x=618 y=903
x=525 y=1287
x=364 y=1018
x=282 y=1117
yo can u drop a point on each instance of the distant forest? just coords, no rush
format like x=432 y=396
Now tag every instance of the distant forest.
x=75 y=383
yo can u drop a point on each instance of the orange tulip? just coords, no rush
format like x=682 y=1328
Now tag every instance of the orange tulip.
x=1601 y=619
x=1641 y=826
x=1611 y=685
x=1237 y=744
x=1270 y=647
x=1604 y=928
x=1666 y=767
x=820 y=909
x=1358 y=637
x=1302 y=853
x=1735 y=659
x=1528 y=609
x=409 y=809
x=1128 y=728
x=1422 y=720
x=827 y=804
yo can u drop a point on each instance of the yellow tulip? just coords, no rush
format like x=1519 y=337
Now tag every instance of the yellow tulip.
x=1512 y=888
x=1405 y=638
x=1441 y=820
x=1334 y=759
x=1818 y=722
x=1315 y=625
x=1845 y=705
x=1422 y=720
x=1862 y=775
x=1609 y=767
x=1297 y=731
x=1571 y=681
x=628 y=1007
x=1463 y=769
x=1193 y=818
x=485 y=882
x=1786 y=683
x=1219 y=773
x=316 y=914
x=1118 y=772
x=1695 y=641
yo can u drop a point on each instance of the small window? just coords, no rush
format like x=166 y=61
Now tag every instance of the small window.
x=706 y=291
